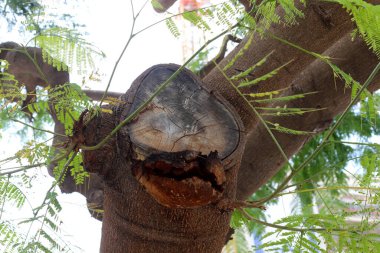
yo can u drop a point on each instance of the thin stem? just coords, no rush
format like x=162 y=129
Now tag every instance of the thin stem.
x=131 y=36
x=330 y=188
x=21 y=168
x=62 y=174
x=326 y=137
x=38 y=129
x=250 y=217
x=258 y=115
x=175 y=15
x=142 y=7
x=356 y=143
x=54 y=160
x=133 y=9
x=7 y=160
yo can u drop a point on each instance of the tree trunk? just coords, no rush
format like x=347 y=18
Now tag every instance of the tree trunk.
x=325 y=29
x=135 y=221
x=145 y=207
x=171 y=171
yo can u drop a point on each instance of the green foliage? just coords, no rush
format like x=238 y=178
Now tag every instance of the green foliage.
x=282 y=129
x=196 y=20
x=75 y=168
x=69 y=102
x=246 y=72
x=9 y=238
x=13 y=10
x=367 y=19
x=209 y=19
x=263 y=77
x=266 y=13
x=173 y=28
x=336 y=237
x=240 y=53
x=366 y=98
x=77 y=171
x=65 y=49
x=11 y=194
x=199 y=61
x=9 y=87
x=45 y=239
x=33 y=152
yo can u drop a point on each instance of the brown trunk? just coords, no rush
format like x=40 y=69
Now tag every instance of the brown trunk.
x=171 y=171
x=136 y=222
x=261 y=159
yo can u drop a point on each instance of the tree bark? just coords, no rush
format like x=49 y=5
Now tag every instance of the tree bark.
x=262 y=159
x=157 y=164
x=167 y=192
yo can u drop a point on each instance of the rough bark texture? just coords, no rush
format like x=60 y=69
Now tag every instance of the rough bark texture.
x=352 y=57
x=141 y=215
x=136 y=218
x=317 y=32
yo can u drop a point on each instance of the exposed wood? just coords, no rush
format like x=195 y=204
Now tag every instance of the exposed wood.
x=152 y=168
x=142 y=214
x=184 y=116
x=184 y=179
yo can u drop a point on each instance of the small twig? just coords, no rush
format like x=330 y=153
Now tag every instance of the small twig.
x=219 y=57
x=251 y=218
x=20 y=168
x=281 y=150
x=233 y=204
x=131 y=36
x=54 y=160
x=57 y=182
x=38 y=129
x=329 y=132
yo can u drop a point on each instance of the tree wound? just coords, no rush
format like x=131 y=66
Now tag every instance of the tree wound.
x=172 y=136
x=184 y=116
x=182 y=180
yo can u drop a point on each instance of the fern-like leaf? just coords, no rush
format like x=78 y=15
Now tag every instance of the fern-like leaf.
x=60 y=46
x=11 y=193
x=252 y=68
x=172 y=27
x=367 y=19
x=282 y=129
x=263 y=77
